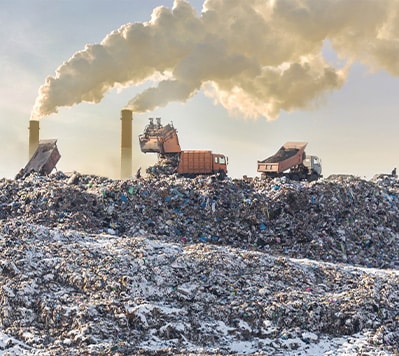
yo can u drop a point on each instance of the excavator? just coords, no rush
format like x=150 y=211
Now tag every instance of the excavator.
x=164 y=141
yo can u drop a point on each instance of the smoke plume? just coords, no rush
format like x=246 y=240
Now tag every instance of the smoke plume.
x=256 y=57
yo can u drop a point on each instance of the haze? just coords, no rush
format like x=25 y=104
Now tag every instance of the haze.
x=240 y=78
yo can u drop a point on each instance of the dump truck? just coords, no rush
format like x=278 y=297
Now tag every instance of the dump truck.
x=164 y=141
x=194 y=162
x=43 y=160
x=292 y=162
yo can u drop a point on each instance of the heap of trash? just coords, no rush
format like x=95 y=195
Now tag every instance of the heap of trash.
x=170 y=265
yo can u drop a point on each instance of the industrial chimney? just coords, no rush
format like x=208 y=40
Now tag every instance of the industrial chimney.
x=126 y=143
x=33 y=137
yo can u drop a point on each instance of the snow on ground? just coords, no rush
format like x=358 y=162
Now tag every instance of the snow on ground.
x=156 y=296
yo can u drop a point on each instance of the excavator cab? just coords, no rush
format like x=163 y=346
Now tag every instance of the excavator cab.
x=159 y=139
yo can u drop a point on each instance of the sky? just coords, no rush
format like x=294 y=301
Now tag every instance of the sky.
x=239 y=78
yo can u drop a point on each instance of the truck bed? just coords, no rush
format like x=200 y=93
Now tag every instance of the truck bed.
x=289 y=155
x=44 y=159
x=281 y=155
x=195 y=162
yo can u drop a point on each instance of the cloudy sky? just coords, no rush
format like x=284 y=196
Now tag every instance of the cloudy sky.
x=239 y=78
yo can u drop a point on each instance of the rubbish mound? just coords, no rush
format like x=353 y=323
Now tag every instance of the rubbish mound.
x=343 y=219
x=171 y=266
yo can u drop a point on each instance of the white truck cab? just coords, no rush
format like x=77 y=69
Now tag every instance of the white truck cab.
x=313 y=163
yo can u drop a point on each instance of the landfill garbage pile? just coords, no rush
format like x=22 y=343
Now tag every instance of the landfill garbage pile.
x=342 y=219
x=175 y=266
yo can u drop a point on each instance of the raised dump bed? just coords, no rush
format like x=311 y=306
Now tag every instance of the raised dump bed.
x=44 y=159
x=291 y=154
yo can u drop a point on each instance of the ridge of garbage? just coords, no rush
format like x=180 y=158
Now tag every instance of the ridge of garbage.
x=342 y=219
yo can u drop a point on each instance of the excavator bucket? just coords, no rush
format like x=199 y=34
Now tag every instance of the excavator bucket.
x=159 y=139
x=150 y=144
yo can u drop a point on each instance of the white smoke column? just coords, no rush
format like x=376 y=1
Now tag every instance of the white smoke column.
x=256 y=57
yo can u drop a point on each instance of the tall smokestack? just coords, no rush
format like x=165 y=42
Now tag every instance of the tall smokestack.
x=33 y=137
x=126 y=143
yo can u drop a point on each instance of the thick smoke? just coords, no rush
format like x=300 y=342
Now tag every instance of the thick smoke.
x=256 y=57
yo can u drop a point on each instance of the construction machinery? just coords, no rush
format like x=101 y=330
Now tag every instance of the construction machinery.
x=291 y=161
x=164 y=141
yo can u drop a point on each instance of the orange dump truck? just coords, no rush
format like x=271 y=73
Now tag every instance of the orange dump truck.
x=165 y=141
x=291 y=161
x=201 y=162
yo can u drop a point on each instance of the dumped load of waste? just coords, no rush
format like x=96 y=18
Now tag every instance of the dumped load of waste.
x=172 y=265
x=165 y=167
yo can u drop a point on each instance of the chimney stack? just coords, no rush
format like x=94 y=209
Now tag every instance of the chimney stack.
x=33 y=137
x=126 y=143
